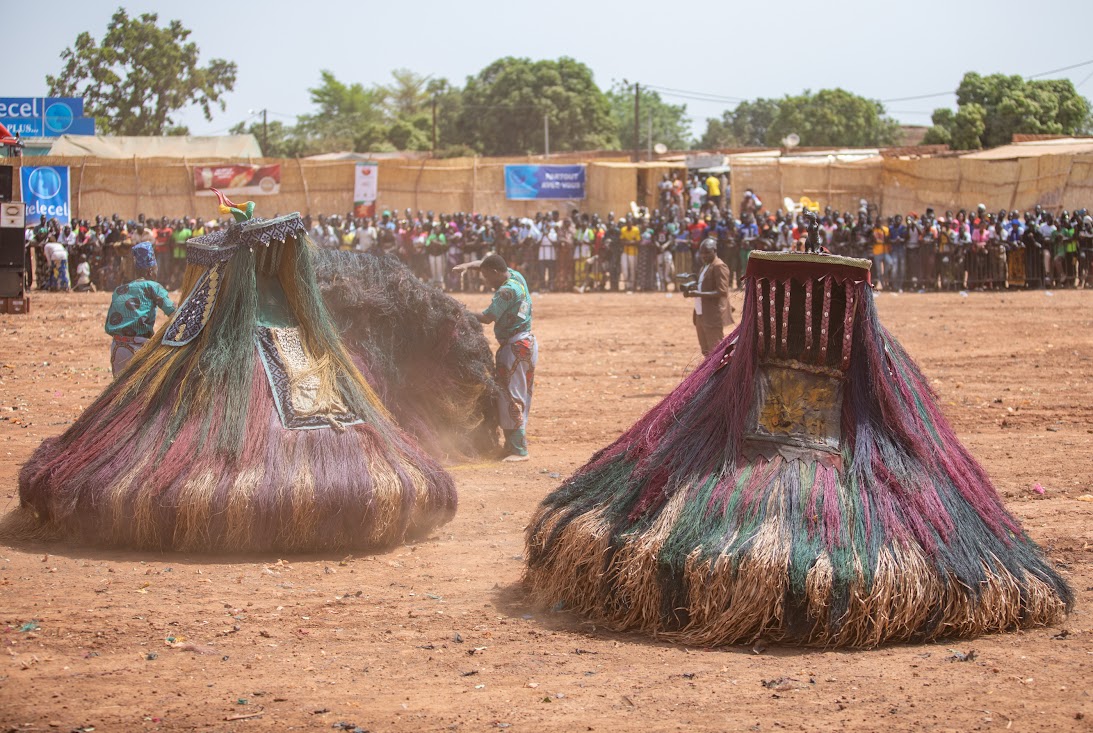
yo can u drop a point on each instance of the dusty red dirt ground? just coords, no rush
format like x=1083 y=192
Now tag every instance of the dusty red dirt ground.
x=439 y=636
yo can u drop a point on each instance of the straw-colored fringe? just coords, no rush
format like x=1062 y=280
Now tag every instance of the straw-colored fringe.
x=132 y=517
x=386 y=499
x=737 y=599
x=194 y=511
x=636 y=597
x=240 y=525
x=573 y=572
x=300 y=532
x=739 y=603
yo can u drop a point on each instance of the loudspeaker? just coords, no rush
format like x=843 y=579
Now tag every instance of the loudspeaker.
x=12 y=243
x=11 y=283
x=7 y=182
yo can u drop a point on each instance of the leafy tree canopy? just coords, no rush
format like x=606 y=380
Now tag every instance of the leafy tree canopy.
x=830 y=117
x=140 y=75
x=504 y=106
x=349 y=117
x=744 y=126
x=671 y=125
x=406 y=95
x=278 y=140
x=991 y=109
x=833 y=117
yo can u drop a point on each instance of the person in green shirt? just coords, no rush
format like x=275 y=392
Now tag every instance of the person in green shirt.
x=436 y=246
x=177 y=265
x=510 y=314
x=131 y=319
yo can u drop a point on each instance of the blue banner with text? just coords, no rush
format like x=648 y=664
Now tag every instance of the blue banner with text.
x=530 y=182
x=45 y=116
x=46 y=192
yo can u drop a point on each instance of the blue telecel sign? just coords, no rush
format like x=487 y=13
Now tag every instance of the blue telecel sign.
x=45 y=190
x=45 y=116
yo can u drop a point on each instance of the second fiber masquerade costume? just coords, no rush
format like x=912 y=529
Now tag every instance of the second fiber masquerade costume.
x=801 y=485
x=424 y=354
x=243 y=425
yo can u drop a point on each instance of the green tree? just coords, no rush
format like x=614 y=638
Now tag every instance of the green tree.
x=409 y=107
x=450 y=120
x=744 y=126
x=140 y=76
x=832 y=117
x=407 y=94
x=349 y=117
x=991 y=109
x=411 y=133
x=670 y=122
x=278 y=140
x=504 y=106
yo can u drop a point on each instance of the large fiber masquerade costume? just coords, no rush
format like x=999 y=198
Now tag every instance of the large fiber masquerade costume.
x=801 y=485
x=243 y=425
x=425 y=355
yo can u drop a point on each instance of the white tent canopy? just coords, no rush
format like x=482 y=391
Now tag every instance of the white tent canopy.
x=166 y=146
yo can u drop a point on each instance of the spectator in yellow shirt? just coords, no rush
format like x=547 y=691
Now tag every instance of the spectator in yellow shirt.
x=880 y=249
x=630 y=236
x=713 y=189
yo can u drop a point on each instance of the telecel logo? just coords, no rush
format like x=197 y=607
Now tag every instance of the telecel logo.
x=44 y=183
x=59 y=117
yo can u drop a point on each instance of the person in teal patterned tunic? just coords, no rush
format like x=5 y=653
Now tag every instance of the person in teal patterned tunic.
x=510 y=314
x=131 y=319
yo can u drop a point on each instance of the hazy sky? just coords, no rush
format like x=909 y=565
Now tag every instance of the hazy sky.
x=729 y=50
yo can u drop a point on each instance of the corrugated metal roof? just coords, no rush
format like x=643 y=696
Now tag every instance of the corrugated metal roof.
x=1035 y=148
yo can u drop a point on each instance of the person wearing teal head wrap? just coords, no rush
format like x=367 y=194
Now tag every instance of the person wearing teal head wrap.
x=131 y=320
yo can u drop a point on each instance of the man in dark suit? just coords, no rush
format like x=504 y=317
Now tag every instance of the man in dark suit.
x=712 y=310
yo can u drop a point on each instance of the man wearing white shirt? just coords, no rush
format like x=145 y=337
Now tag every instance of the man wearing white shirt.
x=83 y=276
x=548 y=255
x=57 y=257
x=367 y=236
x=698 y=196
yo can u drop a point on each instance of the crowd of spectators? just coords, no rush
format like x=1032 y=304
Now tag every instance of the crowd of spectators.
x=94 y=255
x=638 y=250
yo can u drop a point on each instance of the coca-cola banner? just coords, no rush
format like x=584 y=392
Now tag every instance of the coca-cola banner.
x=238 y=179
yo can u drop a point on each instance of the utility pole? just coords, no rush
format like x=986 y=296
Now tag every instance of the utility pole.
x=637 y=121
x=650 y=133
x=546 y=136
x=265 y=134
x=434 y=125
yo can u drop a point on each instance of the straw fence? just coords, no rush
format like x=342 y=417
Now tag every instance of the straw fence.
x=165 y=187
x=901 y=185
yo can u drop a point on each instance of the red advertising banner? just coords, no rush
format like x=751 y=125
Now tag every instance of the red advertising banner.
x=238 y=179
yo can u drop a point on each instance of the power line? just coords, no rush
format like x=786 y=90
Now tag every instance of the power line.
x=1030 y=76
x=706 y=96
x=722 y=102
x=499 y=106
x=918 y=96
x=1064 y=68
